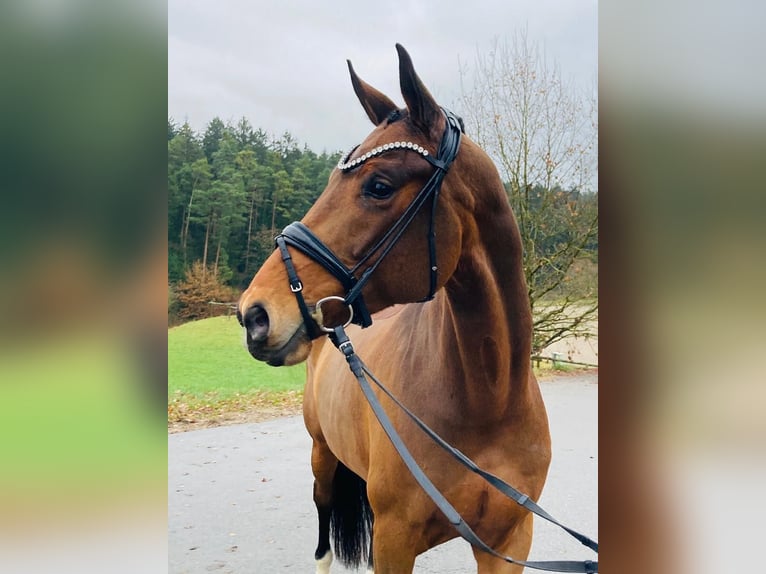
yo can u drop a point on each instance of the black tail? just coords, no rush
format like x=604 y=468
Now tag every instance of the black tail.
x=350 y=518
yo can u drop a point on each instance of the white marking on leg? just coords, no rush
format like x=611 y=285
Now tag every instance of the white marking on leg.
x=369 y=571
x=323 y=564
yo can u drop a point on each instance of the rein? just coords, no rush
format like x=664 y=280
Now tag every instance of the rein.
x=358 y=368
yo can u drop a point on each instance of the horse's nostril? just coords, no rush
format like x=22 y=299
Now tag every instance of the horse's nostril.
x=257 y=323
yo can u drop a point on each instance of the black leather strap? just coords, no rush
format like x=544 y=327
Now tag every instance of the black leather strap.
x=342 y=342
x=301 y=237
x=297 y=288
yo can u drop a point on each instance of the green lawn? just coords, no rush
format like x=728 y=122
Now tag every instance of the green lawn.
x=208 y=359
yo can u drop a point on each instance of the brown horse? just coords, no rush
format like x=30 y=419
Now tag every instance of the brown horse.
x=460 y=361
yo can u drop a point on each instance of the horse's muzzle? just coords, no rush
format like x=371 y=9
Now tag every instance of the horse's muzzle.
x=265 y=345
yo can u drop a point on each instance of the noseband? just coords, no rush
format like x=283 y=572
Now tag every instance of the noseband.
x=300 y=237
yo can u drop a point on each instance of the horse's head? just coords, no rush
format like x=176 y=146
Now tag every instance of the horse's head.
x=384 y=231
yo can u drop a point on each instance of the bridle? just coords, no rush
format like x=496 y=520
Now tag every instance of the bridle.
x=300 y=237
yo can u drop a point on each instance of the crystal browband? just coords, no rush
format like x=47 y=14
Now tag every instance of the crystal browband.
x=345 y=165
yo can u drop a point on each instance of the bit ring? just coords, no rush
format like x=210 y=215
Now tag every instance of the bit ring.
x=334 y=298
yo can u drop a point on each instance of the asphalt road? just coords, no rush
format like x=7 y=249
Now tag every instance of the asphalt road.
x=239 y=497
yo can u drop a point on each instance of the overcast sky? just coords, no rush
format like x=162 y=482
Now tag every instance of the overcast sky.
x=282 y=64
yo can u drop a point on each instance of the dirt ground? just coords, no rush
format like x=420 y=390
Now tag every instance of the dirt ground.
x=183 y=418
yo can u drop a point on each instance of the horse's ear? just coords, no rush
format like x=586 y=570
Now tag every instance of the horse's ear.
x=377 y=105
x=424 y=111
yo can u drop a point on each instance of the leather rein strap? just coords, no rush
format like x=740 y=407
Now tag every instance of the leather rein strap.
x=358 y=368
x=300 y=237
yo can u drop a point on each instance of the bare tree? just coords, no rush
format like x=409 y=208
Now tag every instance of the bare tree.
x=542 y=135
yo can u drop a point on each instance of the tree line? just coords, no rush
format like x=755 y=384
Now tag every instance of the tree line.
x=230 y=190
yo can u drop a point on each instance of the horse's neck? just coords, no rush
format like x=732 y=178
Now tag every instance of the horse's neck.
x=491 y=324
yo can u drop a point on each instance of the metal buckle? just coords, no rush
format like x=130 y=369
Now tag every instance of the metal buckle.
x=296 y=288
x=334 y=298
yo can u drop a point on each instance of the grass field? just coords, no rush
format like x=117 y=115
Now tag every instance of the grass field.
x=207 y=357
x=210 y=373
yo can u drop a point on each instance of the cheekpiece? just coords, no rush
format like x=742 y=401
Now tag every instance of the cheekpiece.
x=344 y=164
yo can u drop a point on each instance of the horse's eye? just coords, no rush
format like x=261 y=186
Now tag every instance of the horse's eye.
x=378 y=190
